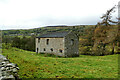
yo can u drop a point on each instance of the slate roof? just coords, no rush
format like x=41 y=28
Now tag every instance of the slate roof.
x=54 y=35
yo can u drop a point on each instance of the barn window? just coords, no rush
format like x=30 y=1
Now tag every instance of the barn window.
x=44 y=49
x=51 y=49
x=47 y=42
x=72 y=41
x=38 y=40
x=60 y=51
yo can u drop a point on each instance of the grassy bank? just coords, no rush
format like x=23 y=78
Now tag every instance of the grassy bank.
x=41 y=66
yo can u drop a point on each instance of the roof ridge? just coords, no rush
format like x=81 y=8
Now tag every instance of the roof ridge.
x=55 y=34
x=68 y=33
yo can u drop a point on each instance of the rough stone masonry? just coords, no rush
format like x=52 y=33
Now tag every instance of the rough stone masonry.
x=8 y=71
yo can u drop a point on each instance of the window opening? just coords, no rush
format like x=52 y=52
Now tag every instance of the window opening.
x=72 y=41
x=47 y=42
x=44 y=49
x=60 y=51
x=51 y=49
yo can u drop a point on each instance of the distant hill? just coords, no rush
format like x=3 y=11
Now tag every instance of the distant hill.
x=43 y=30
x=58 y=26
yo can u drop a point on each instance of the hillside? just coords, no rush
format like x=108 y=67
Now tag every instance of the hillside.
x=43 y=30
x=45 y=66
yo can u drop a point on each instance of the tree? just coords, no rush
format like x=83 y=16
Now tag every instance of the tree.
x=104 y=33
x=107 y=17
x=16 y=42
x=24 y=41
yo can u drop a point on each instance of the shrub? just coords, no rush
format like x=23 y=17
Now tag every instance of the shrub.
x=6 y=45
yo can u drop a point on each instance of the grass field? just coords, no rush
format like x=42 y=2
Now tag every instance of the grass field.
x=34 y=65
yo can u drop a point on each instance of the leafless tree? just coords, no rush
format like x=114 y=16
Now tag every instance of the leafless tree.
x=106 y=18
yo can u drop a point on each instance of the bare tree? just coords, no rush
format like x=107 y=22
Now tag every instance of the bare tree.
x=107 y=17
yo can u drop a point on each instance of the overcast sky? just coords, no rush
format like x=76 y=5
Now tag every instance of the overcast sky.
x=25 y=14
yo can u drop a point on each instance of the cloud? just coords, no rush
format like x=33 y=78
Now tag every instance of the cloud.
x=34 y=13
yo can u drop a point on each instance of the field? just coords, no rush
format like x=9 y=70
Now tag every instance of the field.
x=34 y=65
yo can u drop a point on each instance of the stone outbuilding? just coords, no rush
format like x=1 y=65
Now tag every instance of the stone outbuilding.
x=63 y=44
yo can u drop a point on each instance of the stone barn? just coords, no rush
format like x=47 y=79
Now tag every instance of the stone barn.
x=63 y=44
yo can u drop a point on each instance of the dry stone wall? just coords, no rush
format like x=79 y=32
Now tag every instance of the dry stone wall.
x=8 y=71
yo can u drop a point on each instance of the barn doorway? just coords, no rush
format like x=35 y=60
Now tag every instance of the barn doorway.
x=37 y=50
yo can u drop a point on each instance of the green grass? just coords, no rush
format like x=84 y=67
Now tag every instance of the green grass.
x=21 y=36
x=41 y=66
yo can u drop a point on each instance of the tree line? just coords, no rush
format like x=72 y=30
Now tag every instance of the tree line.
x=26 y=43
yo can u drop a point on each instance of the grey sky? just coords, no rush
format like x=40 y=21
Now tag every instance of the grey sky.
x=24 y=14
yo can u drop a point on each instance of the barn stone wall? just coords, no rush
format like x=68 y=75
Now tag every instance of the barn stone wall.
x=71 y=45
x=37 y=45
x=51 y=46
